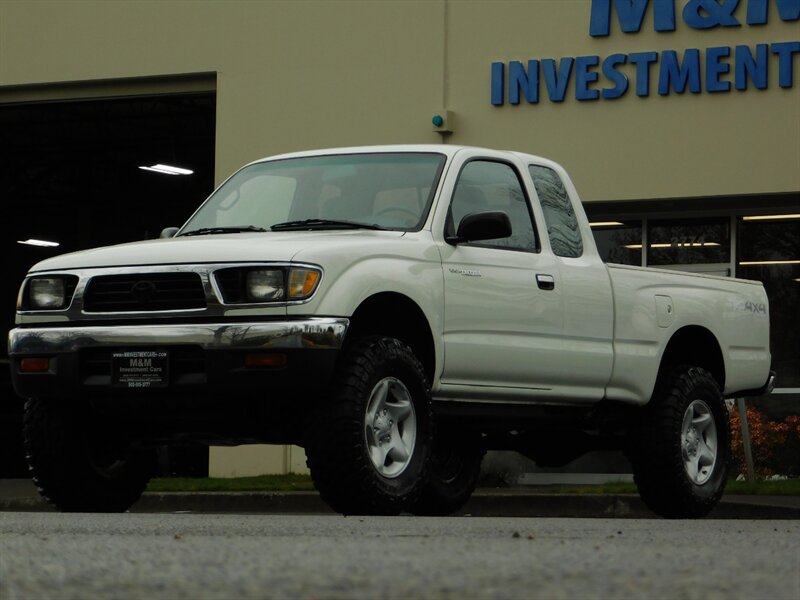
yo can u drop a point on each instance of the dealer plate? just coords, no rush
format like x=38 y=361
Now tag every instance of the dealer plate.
x=140 y=368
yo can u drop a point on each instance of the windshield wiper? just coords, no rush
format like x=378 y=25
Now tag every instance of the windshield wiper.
x=214 y=230
x=323 y=224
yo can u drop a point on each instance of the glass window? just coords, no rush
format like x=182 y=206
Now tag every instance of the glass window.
x=619 y=242
x=261 y=198
x=492 y=186
x=769 y=251
x=688 y=241
x=562 y=224
x=390 y=190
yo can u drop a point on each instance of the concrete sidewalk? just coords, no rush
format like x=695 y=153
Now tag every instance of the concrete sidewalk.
x=522 y=501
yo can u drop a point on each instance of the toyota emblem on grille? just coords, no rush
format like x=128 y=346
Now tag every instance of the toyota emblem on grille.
x=143 y=291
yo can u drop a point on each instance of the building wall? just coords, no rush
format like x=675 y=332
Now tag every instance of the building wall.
x=298 y=75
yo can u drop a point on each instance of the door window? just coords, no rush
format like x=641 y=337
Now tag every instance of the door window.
x=493 y=186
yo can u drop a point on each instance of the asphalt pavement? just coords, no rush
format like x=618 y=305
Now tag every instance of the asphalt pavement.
x=520 y=501
x=168 y=556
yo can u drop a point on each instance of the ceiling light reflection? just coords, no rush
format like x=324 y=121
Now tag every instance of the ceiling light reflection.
x=747 y=263
x=42 y=243
x=167 y=169
x=770 y=217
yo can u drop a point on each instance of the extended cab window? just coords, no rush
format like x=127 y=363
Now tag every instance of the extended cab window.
x=493 y=186
x=559 y=216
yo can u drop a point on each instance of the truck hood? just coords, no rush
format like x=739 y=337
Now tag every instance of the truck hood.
x=279 y=246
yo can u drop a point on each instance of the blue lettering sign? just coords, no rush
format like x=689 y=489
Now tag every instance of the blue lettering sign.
x=643 y=60
x=556 y=78
x=677 y=75
x=715 y=68
x=585 y=76
x=619 y=79
x=786 y=52
x=698 y=14
x=630 y=14
x=757 y=11
x=749 y=66
x=498 y=83
x=705 y=14
x=723 y=67
x=519 y=79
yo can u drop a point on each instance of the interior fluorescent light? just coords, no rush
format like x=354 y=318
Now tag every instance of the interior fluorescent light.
x=770 y=262
x=675 y=245
x=43 y=243
x=605 y=223
x=167 y=169
x=770 y=217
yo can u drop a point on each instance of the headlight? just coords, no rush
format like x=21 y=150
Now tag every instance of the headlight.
x=47 y=293
x=258 y=285
x=265 y=285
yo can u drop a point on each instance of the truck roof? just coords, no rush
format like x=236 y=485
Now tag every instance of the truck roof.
x=446 y=149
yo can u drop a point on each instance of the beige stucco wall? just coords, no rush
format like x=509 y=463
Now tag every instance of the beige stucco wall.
x=294 y=75
x=290 y=75
x=248 y=461
x=297 y=75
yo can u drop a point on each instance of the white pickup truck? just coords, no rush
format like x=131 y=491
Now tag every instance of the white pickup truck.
x=396 y=311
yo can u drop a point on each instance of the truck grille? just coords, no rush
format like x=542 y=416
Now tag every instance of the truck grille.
x=144 y=292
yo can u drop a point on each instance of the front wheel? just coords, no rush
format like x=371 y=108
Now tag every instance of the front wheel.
x=368 y=445
x=682 y=451
x=80 y=467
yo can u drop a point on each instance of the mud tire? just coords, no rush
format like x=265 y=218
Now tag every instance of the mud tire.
x=454 y=471
x=686 y=424
x=77 y=467
x=340 y=447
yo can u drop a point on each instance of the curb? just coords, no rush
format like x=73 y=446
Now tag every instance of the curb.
x=482 y=504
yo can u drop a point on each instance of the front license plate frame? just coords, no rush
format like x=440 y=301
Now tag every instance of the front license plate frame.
x=140 y=369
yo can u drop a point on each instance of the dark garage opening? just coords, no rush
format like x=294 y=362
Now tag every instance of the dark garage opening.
x=70 y=174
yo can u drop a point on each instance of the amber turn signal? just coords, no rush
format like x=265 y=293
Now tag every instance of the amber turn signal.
x=302 y=283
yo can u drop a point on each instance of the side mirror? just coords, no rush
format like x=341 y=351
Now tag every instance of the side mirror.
x=475 y=227
x=168 y=232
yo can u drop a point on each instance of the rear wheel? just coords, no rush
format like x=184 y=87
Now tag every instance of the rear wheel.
x=453 y=474
x=78 y=467
x=368 y=446
x=682 y=450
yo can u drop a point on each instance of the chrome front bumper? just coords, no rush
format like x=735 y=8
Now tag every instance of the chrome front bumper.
x=203 y=359
x=314 y=333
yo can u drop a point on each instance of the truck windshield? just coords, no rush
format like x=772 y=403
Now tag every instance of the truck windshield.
x=346 y=191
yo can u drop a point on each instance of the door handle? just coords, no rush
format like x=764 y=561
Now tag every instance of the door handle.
x=545 y=282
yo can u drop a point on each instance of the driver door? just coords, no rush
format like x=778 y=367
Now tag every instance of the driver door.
x=503 y=316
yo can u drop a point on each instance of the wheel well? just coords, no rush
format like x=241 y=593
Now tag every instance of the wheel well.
x=695 y=346
x=396 y=316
